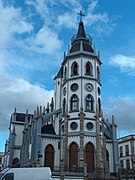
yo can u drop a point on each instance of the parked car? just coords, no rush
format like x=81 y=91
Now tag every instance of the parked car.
x=39 y=173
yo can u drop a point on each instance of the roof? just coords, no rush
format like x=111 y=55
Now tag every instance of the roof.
x=81 y=31
x=60 y=73
x=126 y=138
x=81 y=42
x=48 y=129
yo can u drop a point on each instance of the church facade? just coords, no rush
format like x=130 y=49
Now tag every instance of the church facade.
x=70 y=135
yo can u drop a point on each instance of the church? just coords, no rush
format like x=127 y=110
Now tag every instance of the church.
x=70 y=135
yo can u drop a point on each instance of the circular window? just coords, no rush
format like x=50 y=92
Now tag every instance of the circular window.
x=74 y=87
x=73 y=126
x=89 y=125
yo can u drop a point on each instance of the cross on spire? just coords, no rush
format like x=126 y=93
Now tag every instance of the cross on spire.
x=81 y=14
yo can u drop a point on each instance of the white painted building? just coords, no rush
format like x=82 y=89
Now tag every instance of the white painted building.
x=70 y=135
x=127 y=152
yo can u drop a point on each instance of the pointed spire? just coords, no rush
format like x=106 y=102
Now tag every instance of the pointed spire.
x=81 y=31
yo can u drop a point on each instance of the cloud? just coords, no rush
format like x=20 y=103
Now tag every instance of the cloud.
x=11 y=22
x=67 y=20
x=101 y=21
x=21 y=94
x=45 y=41
x=125 y=63
x=123 y=110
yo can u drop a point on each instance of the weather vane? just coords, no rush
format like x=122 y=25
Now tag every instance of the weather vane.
x=81 y=14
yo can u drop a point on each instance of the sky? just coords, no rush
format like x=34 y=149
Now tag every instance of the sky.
x=33 y=37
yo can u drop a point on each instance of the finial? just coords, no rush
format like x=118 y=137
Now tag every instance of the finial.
x=98 y=54
x=43 y=110
x=35 y=113
x=40 y=110
x=26 y=111
x=113 y=119
x=15 y=110
x=69 y=48
x=81 y=14
x=64 y=54
x=52 y=104
x=94 y=48
x=47 y=109
x=37 y=110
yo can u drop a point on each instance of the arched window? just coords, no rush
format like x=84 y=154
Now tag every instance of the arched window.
x=89 y=69
x=107 y=158
x=74 y=69
x=15 y=161
x=74 y=103
x=64 y=106
x=98 y=73
x=65 y=73
x=49 y=157
x=99 y=105
x=89 y=103
x=73 y=156
x=89 y=156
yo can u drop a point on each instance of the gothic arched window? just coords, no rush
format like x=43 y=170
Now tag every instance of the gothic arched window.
x=64 y=105
x=98 y=73
x=89 y=103
x=74 y=69
x=99 y=105
x=74 y=103
x=89 y=69
x=65 y=73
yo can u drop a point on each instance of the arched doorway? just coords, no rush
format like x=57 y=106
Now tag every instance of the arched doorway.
x=73 y=156
x=15 y=162
x=89 y=155
x=49 y=157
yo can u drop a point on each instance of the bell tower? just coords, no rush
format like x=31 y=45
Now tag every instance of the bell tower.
x=78 y=93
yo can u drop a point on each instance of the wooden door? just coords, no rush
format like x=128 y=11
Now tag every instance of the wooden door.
x=73 y=156
x=49 y=157
x=90 y=157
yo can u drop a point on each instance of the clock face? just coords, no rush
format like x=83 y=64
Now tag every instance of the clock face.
x=74 y=87
x=89 y=87
x=64 y=91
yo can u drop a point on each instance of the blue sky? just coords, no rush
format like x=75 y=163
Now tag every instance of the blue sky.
x=34 y=36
